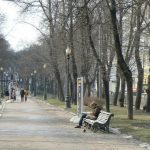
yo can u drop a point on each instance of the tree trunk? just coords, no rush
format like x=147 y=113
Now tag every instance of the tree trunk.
x=98 y=85
x=106 y=88
x=121 y=62
x=116 y=88
x=57 y=75
x=138 y=60
x=74 y=66
x=103 y=68
x=89 y=89
x=148 y=96
x=139 y=89
x=122 y=92
x=148 y=90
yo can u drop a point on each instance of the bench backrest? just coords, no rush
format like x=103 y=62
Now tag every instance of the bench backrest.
x=104 y=117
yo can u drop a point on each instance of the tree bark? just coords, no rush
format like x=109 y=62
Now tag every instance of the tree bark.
x=122 y=92
x=148 y=96
x=103 y=68
x=74 y=66
x=106 y=88
x=58 y=78
x=121 y=62
x=117 y=87
x=138 y=59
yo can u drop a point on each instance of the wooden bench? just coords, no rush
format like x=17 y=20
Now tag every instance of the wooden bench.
x=102 y=122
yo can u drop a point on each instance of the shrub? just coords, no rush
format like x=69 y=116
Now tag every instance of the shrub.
x=89 y=100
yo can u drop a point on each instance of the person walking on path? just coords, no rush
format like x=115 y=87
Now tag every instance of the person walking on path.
x=26 y=94
x=14 y=95
x=7 y=94
x=22 y=94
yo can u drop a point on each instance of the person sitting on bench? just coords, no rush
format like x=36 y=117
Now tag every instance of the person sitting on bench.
x=92 y=115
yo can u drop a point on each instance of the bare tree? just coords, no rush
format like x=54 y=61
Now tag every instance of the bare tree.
x=105 y=66
x=121 y=62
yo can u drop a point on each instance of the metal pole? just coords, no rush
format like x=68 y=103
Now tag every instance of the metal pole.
x=2 y=86
x=31 y=88
x=2 y=94
x=31 y=84
x=34 y=84
x=45 y=86
x=67 y=98
x=1 y=83
x=6 y=82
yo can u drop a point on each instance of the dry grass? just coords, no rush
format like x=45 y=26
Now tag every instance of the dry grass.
x=139 y=127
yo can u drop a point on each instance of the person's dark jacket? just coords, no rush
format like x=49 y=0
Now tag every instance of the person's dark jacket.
x=96 y=111
x=7 y=93
x=94 y=114
x=22 y=93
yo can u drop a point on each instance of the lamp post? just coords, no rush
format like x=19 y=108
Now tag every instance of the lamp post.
x=2 y=94
x=45 y=86
x=31 y=83
x=4 y=79
x=67 y=98
x=35 y=82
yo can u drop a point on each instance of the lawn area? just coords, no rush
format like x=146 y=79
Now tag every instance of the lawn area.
x=62 y=105
x=139 y=127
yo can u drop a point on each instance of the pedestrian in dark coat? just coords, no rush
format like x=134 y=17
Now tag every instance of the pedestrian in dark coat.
x=22 y=94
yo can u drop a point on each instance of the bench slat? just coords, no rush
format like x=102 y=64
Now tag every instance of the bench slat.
x=102 y=120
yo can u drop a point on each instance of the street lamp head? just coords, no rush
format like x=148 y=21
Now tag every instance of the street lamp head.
x=68 y=51
x=1 y=68
x=44 y=66
x=35 y=71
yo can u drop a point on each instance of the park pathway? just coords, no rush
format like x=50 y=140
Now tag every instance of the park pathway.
x=35 y=125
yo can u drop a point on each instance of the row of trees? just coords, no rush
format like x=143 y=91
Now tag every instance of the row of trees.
x=98 y=33
x=7 y=55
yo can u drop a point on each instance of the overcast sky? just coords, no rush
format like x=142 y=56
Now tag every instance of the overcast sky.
x=18 y=34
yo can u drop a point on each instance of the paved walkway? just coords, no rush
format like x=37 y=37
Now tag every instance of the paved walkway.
x=35 y=125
